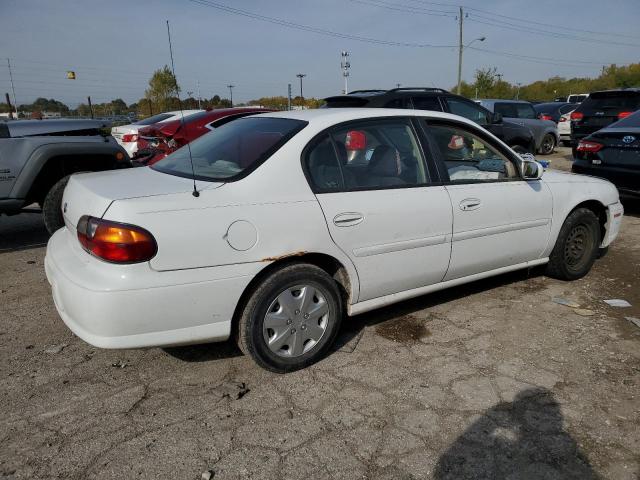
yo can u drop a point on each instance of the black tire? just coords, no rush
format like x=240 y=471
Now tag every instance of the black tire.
x=251 y=336
x=52 y=206
x=577 y=246
x=547 y=145
x=566 y=143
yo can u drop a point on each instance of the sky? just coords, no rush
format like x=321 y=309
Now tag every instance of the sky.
x=115 y=46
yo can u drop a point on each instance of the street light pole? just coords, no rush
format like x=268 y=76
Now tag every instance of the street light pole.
x=460 y=47
x=301 y=76
x=231 y=93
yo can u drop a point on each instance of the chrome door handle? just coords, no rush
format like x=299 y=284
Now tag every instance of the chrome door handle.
x=470 y=204
x=348 y=219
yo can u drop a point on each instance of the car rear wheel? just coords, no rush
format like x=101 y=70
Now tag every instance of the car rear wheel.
x=548 y=144
x=291 y=319
x=52 y=206
x=577 y=246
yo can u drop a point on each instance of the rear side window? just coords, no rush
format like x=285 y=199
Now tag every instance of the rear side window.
x=367 y=156
x=232 y=150
x=426 y=103
x=154 y=119
x=468 y=110
x=612 y=101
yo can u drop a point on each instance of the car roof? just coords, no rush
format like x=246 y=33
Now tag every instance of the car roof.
x=25 y=128
x=331 y=116
x=502 y=100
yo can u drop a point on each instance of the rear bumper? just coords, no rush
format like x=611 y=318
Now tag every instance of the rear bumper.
x=172 y=309
x=625 y=179
x=614 y=220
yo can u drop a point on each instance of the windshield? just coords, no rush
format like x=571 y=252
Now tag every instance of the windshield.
x=232 y=149
x=154 y=119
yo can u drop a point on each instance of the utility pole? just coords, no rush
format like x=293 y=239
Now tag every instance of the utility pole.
x=460 y=47
x=230 y=87
x=345 y=65
x=199 y=98
x=289 y=96
x=301 y=76
x=398 y=85
x=13 y=90
x=90 y=106
x=150 y=106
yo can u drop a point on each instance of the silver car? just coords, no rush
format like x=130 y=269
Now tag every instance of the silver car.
x=545 y=132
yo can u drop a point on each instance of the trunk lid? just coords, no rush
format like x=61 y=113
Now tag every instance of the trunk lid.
x=92 y=193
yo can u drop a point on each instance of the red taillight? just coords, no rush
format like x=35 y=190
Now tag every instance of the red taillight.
x=624 y=114
x=355 y=140
x=588 y=146
x=563 y=119
x=577 y=115
x=130 y=137
x=116 y=242
x=545 y=117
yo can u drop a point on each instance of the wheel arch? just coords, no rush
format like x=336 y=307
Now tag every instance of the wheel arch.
x=334 y=267
x=600 y=211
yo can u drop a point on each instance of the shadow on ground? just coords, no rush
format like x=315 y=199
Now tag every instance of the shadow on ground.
x=523 y=439
x=22 y=232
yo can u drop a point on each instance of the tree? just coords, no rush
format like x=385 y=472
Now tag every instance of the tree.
x=163 y=89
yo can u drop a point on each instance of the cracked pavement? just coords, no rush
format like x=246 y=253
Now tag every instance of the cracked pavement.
x=487 y=380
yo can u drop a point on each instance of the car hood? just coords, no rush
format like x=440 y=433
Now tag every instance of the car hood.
x=92 y=193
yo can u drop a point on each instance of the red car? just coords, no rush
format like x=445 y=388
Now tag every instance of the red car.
x=160 y=139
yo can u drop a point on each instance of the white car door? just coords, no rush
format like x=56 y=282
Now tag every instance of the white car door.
x=499 y=219
x=373 y=185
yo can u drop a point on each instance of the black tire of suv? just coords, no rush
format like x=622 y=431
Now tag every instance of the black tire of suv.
x=583 y=223
x=548 y=144
x=52 y=206
x=250 y=336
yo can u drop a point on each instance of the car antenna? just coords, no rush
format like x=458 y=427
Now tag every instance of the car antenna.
x=195 y=192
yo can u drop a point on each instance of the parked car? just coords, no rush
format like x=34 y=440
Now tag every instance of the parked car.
x=157 y=141
x=127 y=135
x=545 y=132
x=558 y=112
x=613 y=153
x=516 y=136
x=602 y=109
x=37 y=158
x=270 y=227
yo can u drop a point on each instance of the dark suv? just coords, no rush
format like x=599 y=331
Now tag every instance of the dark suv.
x=601 y=109
x=518 y=137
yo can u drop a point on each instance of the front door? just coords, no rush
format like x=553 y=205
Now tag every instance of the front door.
x=374 y=187
x=499 y=219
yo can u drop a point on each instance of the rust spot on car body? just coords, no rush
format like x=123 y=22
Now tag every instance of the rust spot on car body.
x=280 y=257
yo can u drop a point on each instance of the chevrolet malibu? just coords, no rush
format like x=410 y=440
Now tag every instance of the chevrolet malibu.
x=272 y=227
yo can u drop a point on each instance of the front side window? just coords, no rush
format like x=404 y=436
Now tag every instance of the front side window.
x=426 y=103
x=364 y=156
x=507 y=110
x=232 y=149
x=468 y=110
x=468 y=158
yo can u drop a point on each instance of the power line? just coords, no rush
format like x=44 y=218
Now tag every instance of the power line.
x=404 y=8
x=307 y=28
x=528 y=21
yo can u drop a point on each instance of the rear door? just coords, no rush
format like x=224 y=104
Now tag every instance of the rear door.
x=382 y=204
x=499 y=219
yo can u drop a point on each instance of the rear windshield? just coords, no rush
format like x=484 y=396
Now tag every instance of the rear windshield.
x=154 y=119
x=232 y=150
x=612 y=101
x=576 y=98
x=630 y=121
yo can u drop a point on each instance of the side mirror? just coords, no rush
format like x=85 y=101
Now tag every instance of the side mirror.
x=496 y=118
x=532 y=170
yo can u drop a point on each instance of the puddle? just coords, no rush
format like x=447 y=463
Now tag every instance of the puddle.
x=406 y=329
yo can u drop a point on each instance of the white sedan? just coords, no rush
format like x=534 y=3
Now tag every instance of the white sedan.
x=127 y=135
x=282 y=222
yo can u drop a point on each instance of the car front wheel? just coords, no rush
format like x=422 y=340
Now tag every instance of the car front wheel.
x=548 y=144
x=291 y=319
x=577 y=246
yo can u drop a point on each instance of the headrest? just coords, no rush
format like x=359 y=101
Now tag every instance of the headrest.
x=385 y=162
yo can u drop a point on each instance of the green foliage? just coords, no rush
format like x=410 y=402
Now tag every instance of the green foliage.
x=489 y=85
x=163 y=89
x=43 y=105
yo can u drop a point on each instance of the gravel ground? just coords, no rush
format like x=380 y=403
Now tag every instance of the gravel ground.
x=489 y=380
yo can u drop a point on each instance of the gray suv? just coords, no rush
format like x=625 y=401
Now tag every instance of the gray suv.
x=545 y=132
